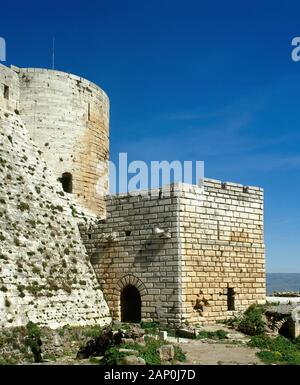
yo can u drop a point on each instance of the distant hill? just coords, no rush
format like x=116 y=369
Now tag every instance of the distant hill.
x=283 y=282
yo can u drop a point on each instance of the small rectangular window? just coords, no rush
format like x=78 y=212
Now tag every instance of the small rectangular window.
x=89 y=112
x=66 y=181
x=230 y=299
x=6 y=92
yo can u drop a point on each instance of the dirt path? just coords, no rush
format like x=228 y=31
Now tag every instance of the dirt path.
x=206 y=353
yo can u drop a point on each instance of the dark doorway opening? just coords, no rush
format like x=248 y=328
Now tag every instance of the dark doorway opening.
x=230 y=299
x=66 y=181
x=131 y=304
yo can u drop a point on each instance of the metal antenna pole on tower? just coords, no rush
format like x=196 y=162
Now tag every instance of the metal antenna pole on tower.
x=53 y=54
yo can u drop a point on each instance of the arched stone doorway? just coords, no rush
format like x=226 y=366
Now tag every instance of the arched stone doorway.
x=131 y=304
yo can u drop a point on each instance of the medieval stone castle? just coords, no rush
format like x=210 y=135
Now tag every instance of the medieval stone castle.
x=70 y=256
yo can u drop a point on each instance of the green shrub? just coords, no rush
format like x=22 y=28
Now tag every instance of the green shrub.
x=279 y=350
x=148 y=352
x=217 y=335
x=33 y=340
x=112 y=356
x=93 y=331
x=252 y=323
x=179 y=355
x=150 y=327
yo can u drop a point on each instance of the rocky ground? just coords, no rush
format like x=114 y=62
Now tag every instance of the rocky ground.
x=259 y=336
x=231 y=351
x=203 y=353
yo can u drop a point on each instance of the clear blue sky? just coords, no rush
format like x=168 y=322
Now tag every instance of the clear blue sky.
x=187 y=80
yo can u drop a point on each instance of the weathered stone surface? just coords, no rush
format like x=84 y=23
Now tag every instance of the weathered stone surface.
x=166 y=353
x=129 y=351
x=163 y=335
x=216 y=251
x=135 y=331
x=45 y=274
x=72 y=130
x=296 y=322
x=133 y=360
x=127 y=341
x=186 y=333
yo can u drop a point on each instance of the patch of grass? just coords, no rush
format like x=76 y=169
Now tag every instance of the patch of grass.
x=93 y=331
x=150 y=327
x=149 y=352
x=112 y=356
x=61 y=331
x=179 y=355
x=216 y=335
x=279 y=350
x=49 y=357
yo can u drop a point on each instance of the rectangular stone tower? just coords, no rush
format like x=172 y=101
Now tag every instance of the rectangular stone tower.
x=194 y=255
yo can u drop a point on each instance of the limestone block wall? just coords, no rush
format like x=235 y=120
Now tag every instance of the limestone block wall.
x=68 y=118
x=222 y=244
x=9 y=89
x=212 y=265
x=45 y=273
x=138 y=256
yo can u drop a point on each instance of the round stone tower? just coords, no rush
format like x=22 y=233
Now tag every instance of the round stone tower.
x=68 y=119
